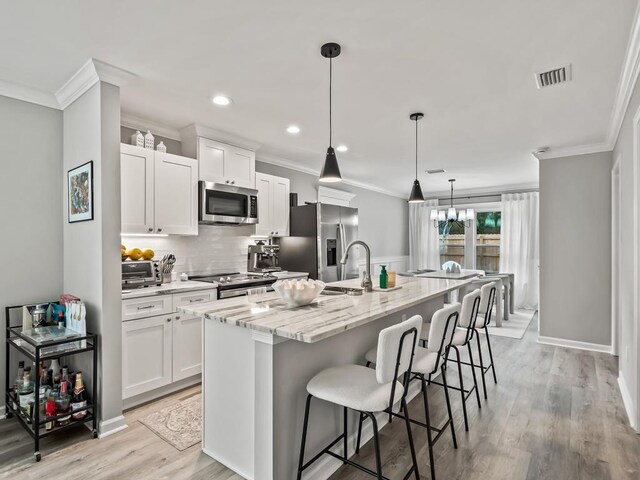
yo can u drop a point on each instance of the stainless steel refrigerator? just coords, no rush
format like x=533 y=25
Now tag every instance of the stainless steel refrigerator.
x=319 y=234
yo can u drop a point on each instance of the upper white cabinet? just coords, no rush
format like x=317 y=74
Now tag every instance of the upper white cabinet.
x=136 y=189
x=273 y=205
x=222 y=163
x=159 y=192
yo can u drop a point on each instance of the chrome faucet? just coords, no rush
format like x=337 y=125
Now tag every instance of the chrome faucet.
x=366 y=280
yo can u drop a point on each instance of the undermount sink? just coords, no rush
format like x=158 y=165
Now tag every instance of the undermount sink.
x=333 y=290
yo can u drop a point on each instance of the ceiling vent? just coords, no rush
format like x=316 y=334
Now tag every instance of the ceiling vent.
x=437 y=170
x=553 y=77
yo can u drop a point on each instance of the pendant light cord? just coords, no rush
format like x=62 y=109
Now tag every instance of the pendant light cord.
x=416 y=148
x=451 y=193
x=330 y=84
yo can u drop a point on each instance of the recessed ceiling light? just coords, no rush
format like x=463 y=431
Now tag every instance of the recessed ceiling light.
x=221 y=100
x=342 y=148
x=293 y=129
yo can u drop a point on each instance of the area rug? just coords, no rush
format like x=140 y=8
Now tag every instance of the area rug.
x=179 y=424
x=515 y=327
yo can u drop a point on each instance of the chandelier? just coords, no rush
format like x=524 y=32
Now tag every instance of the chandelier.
x=452 y=215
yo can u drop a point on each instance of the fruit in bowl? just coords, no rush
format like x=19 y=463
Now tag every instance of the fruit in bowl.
x=298 y=292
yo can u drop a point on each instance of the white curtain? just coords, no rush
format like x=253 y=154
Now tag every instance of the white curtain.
x=520 y=245
x=424 y=249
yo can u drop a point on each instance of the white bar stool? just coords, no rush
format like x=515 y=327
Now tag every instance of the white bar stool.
x=487 y=299
x=426 y=362
x=368 y=392
x=461 y=338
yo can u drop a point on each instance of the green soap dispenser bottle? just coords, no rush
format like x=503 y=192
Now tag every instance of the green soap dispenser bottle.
x=383 y=276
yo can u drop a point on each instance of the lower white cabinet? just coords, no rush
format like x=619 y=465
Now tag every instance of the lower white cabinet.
x=162 y=349
x=187 y=346
x=146 y=354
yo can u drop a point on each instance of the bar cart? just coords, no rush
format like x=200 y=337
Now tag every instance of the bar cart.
x=40 y=344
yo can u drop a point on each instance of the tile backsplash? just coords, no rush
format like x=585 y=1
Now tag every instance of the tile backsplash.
x=215 y=249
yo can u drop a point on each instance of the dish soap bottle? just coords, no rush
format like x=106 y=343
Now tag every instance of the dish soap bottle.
x=383 y=276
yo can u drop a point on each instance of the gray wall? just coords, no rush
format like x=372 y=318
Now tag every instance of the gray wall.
x=575 y=248
x=383 y=219
x=628 y=359
x=91 y=131
x=31 y=240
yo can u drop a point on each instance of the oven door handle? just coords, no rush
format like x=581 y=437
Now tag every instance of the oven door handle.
x=239 y=292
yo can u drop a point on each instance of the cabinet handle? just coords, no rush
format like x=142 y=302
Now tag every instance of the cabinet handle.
x=159 y=230
x=227 y=181
x=168 y=319
x=150 y=229
x=145 y=308
x=196 y=300
x=276 y=233
x=233 y=182
x=177 y=317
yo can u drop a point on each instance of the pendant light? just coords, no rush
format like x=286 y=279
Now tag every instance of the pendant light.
x=416 y=191
x=330 y=170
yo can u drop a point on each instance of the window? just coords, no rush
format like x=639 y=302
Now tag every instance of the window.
x=451 y=242
x=488 y=226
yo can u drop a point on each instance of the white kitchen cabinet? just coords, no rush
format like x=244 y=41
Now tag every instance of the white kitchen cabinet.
x=146 y=354
x=159 y=192
x=136 y=166
x=273 y=205
x=187 y=335
x=176 y=194
x=223 y=163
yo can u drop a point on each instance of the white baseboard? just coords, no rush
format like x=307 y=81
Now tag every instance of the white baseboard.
x=563 y=342
x=226 y=463
x=628 y=403
x=111 y=426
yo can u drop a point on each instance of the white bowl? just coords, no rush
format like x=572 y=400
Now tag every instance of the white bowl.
x=298 y=292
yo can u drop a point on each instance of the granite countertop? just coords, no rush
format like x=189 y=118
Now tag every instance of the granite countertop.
x=462 y=275
x=286 y=274
x=328 y=315
x=167 y=288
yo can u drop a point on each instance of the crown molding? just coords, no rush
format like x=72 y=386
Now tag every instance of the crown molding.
x=138 y=123
x=195 y=130
x=86 y=77
x=281 y=162
x=28 y=94
x=575 y=150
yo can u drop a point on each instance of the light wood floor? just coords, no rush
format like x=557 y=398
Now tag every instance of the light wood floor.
x=555 y=414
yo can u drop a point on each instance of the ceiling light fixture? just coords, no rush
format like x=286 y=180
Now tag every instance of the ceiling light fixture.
x=451 y=215
x=342 y=148
x=293 y=129
x=416 y=191
x=221 y=100
x=330 y=170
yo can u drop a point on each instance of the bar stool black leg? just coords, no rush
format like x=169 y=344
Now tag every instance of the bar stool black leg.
x=376 y=445
x=344 y=422
x=304 y=436
x=493 y=368
x=484 y=383
x=428 y=422
x=473 y=373
x=405 y=412
x=464 y=401
x=446 y=397
x=359 y=432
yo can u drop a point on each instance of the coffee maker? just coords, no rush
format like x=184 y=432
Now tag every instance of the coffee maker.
x=263 y=258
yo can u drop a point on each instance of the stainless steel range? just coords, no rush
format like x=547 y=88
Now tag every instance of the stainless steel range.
x=236 y=284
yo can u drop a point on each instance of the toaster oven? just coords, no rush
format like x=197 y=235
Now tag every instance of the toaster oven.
x=140 y=273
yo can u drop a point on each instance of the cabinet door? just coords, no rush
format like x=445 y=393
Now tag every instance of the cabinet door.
x=136 y=184
x=240 y=167
x=263 y=185
x=176 y=194
x=187 y=346
x=212 y=157
x=280 y=206
x=146 y=354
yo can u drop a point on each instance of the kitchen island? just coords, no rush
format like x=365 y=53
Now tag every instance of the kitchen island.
x=257 y=360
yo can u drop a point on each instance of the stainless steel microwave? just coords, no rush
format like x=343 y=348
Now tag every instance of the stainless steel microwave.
x=221 y=204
